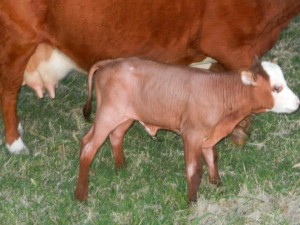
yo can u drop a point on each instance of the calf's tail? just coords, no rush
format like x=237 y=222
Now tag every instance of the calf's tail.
x=87 y=108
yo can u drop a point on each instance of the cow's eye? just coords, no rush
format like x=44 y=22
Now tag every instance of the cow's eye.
x=277 y=88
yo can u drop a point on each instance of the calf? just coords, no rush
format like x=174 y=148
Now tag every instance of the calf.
x=202 y=107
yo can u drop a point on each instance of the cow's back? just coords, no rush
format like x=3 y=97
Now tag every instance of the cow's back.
x=156 y=29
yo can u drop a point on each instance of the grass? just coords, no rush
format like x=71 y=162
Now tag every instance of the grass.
x=259 y=183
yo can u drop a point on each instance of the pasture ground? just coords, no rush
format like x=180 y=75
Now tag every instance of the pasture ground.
x=259 y=183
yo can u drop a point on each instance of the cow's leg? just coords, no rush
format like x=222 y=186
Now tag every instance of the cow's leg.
x=13 y=62
x=211 y=159
x=21 y=32
x=240 y=134
x=205 y=64
x=193 y=163
x=104 y=125
x=14 y=142
x=116 y=140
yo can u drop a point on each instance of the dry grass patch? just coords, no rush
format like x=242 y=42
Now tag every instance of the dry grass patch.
x=248 y=207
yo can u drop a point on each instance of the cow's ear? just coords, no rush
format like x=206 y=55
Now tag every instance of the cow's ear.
x=256 y=65
x=248 y=78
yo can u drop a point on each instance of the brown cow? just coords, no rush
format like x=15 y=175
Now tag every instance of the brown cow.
x=182 y=32
x=202 y=107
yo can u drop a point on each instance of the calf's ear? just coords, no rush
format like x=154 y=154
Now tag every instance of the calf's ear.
x=248 y=78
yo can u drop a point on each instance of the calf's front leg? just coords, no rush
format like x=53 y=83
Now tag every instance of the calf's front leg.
x=116 y=140
x=211 y=159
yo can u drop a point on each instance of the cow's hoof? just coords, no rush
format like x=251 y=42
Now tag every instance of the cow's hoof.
x=239 y=137
x=18 y=147
x=240 y=134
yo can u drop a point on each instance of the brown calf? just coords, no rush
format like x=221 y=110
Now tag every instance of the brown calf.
x=202 y=107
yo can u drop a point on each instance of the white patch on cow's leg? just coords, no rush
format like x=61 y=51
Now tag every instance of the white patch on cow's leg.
x=201 y=66
x=205 y=64
x=17 y=147
x=285 y=101
x=20 y=129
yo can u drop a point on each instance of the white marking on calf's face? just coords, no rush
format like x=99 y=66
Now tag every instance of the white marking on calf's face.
x=285 y=101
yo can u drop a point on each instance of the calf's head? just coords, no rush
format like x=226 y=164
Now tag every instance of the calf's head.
x=268 y=77
x=285 y=101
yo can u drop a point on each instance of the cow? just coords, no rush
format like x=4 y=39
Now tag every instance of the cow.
x=202 y=107
x=46 y=67
x=181 y=32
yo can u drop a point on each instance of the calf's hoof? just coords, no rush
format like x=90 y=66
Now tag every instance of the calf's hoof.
x=240 y=134
x=80 y=194
x=120 y=166
x=191 y=197
x=120 y=163
x=215 y=181
x=191 y=200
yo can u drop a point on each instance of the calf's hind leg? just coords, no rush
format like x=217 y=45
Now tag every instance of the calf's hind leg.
x=116 y=140
x=104 y=125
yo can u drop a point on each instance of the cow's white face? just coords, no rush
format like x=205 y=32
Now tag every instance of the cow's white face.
x=285 y=101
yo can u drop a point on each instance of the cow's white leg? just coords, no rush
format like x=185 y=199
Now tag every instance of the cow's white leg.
x=205 y=64
x=17 y=147
x=20 y=129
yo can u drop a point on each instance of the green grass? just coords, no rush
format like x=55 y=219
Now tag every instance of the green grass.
x=259 y=183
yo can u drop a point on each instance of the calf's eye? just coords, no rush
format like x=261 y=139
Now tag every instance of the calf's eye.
x=277 y=88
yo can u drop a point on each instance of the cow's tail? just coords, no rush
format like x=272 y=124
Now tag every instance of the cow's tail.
x=87 y=108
